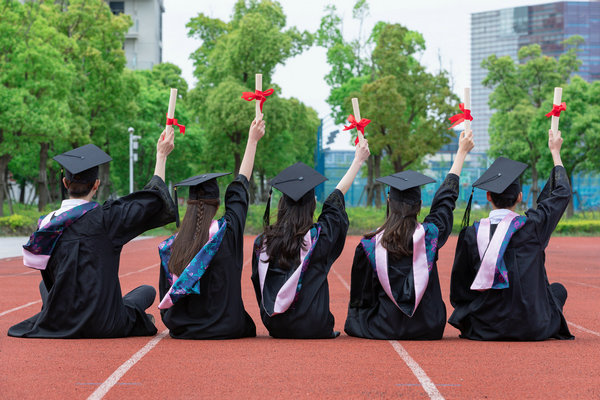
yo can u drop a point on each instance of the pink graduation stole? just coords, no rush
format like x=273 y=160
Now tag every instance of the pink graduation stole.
x=288 y=293
x=421 y=266
x=492 y=272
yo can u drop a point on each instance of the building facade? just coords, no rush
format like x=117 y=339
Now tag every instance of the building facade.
x=503 y=32
x=143 y=42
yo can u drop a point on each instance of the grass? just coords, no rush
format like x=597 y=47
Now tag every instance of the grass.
x=362 y=220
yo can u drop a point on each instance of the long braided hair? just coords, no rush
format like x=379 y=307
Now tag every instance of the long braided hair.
x=193 y=233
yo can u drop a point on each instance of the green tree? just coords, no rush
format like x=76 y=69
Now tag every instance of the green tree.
x=407 y=104
x=580 y=128
x=255 y=40
x=520 y=97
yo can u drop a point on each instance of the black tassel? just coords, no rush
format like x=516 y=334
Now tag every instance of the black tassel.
x=63 y=189
x=387 y=206
x=267 y=216
x=176 y=207
x=467 y=216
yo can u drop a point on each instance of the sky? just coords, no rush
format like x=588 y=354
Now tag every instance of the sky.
x=444 y=24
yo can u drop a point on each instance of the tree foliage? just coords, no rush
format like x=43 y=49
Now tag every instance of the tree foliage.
x=523 y=93
x=407 y=104
x=255 y=40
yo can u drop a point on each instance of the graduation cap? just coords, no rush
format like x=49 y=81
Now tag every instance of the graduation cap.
x=201 y=187
x=295 y=182
x=502 y=177
x=81 y=164
x=406 y=185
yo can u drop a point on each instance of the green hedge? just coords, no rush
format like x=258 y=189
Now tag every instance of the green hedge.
x=362 y=220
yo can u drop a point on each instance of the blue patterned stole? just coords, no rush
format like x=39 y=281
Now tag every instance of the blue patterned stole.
x=189 y=281
x=43 y=241
x=500 y=280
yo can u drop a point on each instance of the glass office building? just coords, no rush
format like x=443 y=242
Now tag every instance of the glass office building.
x=503 y=32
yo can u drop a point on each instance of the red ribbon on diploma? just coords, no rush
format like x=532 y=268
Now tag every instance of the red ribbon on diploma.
x=173 y=121
x=258 y=95
x=458 y=118
x=360 y=125
x=556 y=109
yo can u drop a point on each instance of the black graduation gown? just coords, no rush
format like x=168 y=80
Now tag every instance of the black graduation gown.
x=84 y=293
x=527 y=309
x=309 y=317
x=218 y=311
x=371 y=313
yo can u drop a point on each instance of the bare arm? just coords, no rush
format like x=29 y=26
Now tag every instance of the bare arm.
x=554 y=144
x=257 y=131
x=164 y=147
x=465 y=145
x=360 y=156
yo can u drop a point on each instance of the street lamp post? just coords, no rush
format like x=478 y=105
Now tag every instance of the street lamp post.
x=133 y=157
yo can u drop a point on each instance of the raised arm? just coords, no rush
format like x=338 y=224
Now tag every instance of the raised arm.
x=554 y=144
x=257 y=131
x=360 y=156
x=465 y=145
x=164 y=147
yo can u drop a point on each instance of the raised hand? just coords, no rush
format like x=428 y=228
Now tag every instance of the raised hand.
x=554 y=144
x=257 y=130
x=362 y=151
x=465 y=141
x=166 y=142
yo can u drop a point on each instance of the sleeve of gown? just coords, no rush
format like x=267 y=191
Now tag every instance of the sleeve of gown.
x=463 y=270
x=236 y=206
x=254 y=276
x=361 y=282
x=334 y=225
x=551 y=204
x=442 y=207
x=134 y=214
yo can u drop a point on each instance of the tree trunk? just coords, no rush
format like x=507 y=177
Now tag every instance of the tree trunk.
x=22 y=186
x=369 y=186
x=534 y=186
x=253 y=189
x=4 y=160
x=8 y=193
x=42 y=183
x=105 y=185
x=263 y=191
x=377 y=188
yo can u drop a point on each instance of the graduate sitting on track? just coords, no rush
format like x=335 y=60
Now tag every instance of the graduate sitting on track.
x=201 y=266
x=78 y=247
x=395 y=288
x=499 y=288
x=292 y=258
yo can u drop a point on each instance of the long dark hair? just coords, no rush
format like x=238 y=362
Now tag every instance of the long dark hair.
x=284 y=238
x=399 y=227
x=193 y=233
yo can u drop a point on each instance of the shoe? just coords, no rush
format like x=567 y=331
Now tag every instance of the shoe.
x=151 y=318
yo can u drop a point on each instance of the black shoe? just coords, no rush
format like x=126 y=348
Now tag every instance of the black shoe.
x=151 y=318
x=335 y=334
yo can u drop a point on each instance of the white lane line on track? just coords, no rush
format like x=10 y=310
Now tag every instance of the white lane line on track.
x=18 y=308
x=113 y=379
x=19 y=274
x=581 y=328
x=580 y=283
x=426 y=383
x=118 y=374
x=39 y=301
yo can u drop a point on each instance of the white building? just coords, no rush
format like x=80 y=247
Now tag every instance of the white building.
x=143 y=42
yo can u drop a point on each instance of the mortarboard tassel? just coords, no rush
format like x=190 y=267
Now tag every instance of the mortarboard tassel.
x=267 y=216
x=176 y=207
x=63 y=189
x=467 y=216
x=387 y=206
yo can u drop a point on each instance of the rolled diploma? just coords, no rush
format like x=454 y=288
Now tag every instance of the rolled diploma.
x=557 y=98
x=467 y=107
x=258 y=87
x=357 y=117
x=172 y=101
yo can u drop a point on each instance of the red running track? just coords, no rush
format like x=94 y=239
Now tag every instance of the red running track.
x=162 y=367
